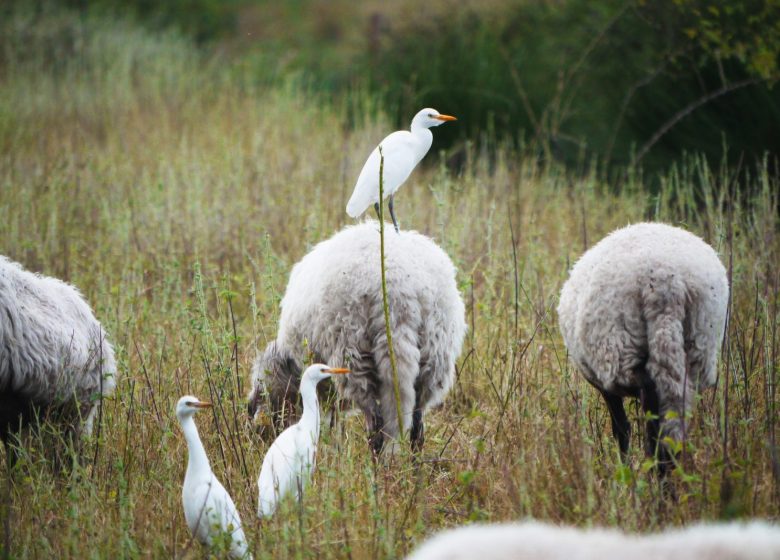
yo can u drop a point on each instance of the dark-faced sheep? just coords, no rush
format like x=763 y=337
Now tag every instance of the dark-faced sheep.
x=642 y=315
x=55 y=361
x=756 y=540
x=333 y=309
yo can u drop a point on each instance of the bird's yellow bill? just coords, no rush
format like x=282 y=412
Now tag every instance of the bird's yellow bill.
x=445 y=118
x=201 y=404
x=337 y=370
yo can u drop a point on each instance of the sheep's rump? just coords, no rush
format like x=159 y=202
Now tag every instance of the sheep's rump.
x=644 y=274
x=333 y=308
x=53 y=352
x=539 y=541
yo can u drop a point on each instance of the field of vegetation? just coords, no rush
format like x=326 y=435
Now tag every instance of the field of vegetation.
x=177 y=194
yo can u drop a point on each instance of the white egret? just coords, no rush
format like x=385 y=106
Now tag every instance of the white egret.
x=290 y=460
x=208 y=508
x=402 y=151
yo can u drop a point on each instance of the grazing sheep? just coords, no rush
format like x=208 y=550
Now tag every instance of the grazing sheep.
x=54 y=356
x=333 y=308
x=642 y=315
x=537 y=541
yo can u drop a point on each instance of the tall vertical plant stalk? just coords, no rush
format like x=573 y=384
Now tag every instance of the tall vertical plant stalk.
x=385 y=305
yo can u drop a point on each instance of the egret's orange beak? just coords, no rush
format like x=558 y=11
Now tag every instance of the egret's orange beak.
x=336 y=370
x=445 y=118
x=202 y=404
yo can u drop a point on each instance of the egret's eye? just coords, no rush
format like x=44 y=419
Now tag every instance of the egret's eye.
x=431 y=115
x=189 y=403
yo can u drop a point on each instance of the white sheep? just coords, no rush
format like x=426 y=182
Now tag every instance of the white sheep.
x=333 y=309
x=643 y=314
x=54 y=357
x=531 y=540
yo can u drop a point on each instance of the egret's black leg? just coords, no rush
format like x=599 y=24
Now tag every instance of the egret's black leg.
x=621 y=428
x=376 y=208
x=392 y=214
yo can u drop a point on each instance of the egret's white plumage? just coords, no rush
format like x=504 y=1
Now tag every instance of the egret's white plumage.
x=290 y=460
x=402 y=151
x=208 y=508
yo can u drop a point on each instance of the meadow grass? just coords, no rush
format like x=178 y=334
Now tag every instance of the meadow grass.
x=177 y=197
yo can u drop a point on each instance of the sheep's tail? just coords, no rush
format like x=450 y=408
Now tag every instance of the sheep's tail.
x=407 y=359
x=665 y=307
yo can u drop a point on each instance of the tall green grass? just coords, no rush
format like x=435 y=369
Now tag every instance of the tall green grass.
x=177 y=196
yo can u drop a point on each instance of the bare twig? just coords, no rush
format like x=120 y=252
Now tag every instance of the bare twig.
x=385 y=305
x=687 y=110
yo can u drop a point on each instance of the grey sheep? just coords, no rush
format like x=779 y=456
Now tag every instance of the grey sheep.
x=333 y=308
x=642 y=315
x=531 y=540
x=54 y=357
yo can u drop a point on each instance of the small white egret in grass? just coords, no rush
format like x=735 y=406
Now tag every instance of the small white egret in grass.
x=208 y=508
x=290 y=460
x=402 y=151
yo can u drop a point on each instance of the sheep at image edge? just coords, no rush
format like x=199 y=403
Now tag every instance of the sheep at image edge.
x=333 y=308
x=642 y=315
x=54 y=357
x=756 y=540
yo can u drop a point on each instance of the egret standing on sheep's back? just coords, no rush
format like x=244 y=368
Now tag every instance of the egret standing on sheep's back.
x=402 y=151
x=290 y=460
x=208 y=508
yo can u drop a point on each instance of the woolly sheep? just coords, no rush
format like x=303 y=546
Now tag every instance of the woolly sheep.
x=643 y=314
x=537 y=541
x=333 y=308
x=54 y=356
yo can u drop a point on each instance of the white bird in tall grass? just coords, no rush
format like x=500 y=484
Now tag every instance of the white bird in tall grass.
x=208 y=508
x=402 y=151
x=290 y=460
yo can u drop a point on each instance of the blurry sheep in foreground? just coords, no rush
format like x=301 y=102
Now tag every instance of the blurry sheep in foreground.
x=537 y=541
x=643 y=314
x=333 y=308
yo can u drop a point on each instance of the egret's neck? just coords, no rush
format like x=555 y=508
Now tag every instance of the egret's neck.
x=198 y=461
x=310 y=420
x=425 y=137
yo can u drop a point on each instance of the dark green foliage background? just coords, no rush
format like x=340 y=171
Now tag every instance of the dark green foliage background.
x=576 y=80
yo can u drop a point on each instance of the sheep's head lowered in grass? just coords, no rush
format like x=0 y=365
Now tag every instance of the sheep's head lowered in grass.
x=275 y=379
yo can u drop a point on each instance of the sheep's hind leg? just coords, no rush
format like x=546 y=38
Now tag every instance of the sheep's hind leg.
x=650 y=405
x=417 y=434
x=376 y=437
x=621 y=428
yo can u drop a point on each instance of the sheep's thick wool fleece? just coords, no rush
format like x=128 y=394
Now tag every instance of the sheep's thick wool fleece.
x=537 y=541
x=647 y=295
x=333 y=308
x=52 y=348
x=338 y=284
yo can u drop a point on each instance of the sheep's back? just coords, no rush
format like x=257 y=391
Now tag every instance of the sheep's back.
x=51 y=345
x=339 y=283
x=603 y=306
